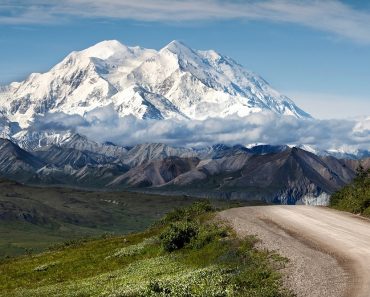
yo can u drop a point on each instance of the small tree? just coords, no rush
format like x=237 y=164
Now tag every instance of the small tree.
x=361 y=174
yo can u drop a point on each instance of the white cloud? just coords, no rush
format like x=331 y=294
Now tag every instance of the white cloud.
x=104 y=124
x=331 y=16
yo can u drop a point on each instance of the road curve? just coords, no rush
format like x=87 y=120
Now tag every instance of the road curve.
x=329 y=251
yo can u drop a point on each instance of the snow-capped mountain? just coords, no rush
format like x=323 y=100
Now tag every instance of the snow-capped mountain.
x=7 y=128
x=174 y=82
x=339 y=153
x=34 y=140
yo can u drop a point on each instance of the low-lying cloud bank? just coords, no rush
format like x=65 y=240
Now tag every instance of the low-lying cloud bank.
x=104 y=124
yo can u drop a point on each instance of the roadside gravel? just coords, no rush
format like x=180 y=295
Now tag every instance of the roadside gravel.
x=318 y=265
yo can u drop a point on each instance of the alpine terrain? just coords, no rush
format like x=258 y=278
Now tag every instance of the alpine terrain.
x=175 y=82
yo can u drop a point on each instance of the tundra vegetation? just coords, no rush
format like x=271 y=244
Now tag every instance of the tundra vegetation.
x=354 y=197
x=189 y=252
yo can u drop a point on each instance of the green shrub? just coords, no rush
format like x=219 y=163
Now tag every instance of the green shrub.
x=208 y=233
x=177 y=235
x=354 y=197
x=187 y=213
x=157 y=287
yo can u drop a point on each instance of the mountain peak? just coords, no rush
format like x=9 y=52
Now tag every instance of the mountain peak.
x=105 y=49
x=177 y=47
x=109 y=43
x=176 y=82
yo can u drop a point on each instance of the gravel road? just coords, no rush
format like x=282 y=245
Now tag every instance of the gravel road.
x=329 y=251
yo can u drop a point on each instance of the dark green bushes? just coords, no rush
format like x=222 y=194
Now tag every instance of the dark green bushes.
x=185 y=227
x=187 y=213
x=354 y=197
x=177 y=235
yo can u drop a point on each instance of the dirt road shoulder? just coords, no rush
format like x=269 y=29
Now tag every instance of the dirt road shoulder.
x=313 y=270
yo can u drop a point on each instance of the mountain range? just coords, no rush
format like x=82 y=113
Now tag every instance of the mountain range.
x=176 y=82
x=277 y=174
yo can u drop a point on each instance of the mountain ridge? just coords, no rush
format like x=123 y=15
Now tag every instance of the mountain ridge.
x=174 y=82
x=278 y=174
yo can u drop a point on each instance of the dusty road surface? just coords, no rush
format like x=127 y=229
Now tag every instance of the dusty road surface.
x=329 y=251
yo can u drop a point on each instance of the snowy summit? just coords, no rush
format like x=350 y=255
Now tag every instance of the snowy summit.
x=174 y=82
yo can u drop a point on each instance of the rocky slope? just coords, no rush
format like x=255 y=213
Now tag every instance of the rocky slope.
x=275 y=174
x=290 y=176
x=16 y=163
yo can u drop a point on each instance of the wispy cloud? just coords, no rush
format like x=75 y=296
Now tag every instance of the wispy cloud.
x=104 y=124
x=331 y=16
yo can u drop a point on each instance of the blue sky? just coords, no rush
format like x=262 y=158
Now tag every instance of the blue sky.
x=316 y=52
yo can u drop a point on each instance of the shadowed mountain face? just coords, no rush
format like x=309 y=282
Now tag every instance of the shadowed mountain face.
x=68 y=156
x=277 y=174
x=16 y=163
x=156 y=173
x=290 y=176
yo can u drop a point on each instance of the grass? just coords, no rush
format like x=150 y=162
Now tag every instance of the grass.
x=212 y=261
x=355 y=197
x=33 y=218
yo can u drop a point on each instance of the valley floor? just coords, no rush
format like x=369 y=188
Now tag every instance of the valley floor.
x=34 y=218
x=187 y=253
x=329 y=250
